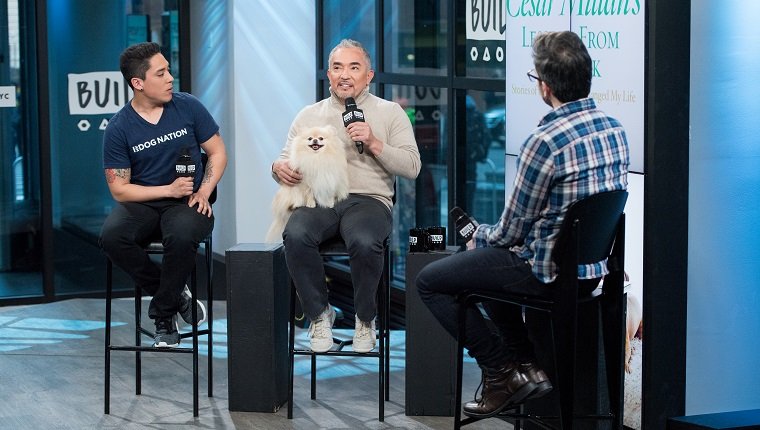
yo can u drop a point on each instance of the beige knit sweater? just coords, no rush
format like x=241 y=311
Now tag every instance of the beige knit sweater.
x=368 y=175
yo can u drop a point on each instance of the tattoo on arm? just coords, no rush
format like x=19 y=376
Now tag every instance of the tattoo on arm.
x=112 y=174
x=209 y=173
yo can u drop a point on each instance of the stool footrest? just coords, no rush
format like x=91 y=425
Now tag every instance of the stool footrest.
x=337 y=353
x=203 y=332
x=183 y=335
x=340 y=344
x=148 y=349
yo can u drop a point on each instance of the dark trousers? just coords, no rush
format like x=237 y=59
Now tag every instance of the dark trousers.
x=364 y=223
x=486 y=270
x=131 y=225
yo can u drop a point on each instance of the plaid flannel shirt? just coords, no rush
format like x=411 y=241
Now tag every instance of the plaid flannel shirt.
x=575 y=152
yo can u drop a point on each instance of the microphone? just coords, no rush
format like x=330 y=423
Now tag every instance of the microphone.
x=465 y=225
x=184 y=167
x=351 y=115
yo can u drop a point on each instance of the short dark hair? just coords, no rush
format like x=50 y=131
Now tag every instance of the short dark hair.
x=134 y=61
x=564 y=64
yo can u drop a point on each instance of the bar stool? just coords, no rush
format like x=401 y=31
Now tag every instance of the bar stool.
x=157 y=248
x=337 y=248
x=593 y=230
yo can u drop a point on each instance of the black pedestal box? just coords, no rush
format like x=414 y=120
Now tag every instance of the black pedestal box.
x=430 y=350
x=258 y=294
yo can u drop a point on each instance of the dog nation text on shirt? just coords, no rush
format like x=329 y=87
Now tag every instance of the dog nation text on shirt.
x=151 y=150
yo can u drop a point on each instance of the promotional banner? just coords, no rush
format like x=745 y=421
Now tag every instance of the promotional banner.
x=525 y=108
x=613 y=32
x=614 y=36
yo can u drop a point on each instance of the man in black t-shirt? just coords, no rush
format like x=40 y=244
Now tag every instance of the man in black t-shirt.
x=140 y=147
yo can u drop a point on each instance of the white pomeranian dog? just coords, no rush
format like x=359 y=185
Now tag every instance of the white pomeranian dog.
x=320 y=156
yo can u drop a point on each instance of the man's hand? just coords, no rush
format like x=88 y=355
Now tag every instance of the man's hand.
x=204 y=207
x=471 y=244
x=285 y=173
x=181 y=187
x=362 y=132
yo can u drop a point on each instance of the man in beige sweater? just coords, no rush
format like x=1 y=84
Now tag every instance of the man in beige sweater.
x=363 y=219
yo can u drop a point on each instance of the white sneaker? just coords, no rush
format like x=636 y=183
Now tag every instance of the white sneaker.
x=364 y=336
x=320 y=331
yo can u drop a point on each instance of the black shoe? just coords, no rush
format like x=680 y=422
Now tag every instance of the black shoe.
x=502 y=388
x=536 y=376
x=186 y=308
x=167 y=333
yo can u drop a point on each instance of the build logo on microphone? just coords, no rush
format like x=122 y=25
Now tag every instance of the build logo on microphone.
x=352 y=116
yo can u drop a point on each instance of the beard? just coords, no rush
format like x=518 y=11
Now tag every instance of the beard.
x=547 y=98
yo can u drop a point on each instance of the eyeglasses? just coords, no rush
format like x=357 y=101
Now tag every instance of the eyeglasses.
x=532 y=76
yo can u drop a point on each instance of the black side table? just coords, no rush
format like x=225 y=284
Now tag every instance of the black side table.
x=430 y=351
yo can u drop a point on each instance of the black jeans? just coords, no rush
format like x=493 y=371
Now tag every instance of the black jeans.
x=486 y=270
x=364 y=223
x=483 y=269
x=131 y=225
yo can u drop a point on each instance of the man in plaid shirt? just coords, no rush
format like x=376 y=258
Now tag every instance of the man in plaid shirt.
x=576 y=151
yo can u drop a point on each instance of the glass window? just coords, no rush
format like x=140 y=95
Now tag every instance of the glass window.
x=352 y=20
x=81 y=199
x=20 y=216
x=155 y=21
x=484 y=155
x=424 y=201
x=415 y=37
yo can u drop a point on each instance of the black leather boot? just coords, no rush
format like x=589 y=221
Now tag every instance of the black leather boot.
x=502 y=387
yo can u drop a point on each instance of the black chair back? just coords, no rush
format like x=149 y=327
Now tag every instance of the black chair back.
x=593 y=220
x=593 y=230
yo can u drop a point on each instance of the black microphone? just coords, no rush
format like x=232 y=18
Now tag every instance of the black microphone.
x=351 y=115
x=184 y=167
x=465 y=225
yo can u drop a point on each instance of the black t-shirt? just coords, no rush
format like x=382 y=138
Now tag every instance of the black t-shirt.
x=151 y=150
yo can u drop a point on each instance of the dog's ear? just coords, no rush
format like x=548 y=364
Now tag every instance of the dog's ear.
x=330 y=130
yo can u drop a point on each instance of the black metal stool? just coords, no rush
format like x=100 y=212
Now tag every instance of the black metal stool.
x=158 y=248
x=337 y=248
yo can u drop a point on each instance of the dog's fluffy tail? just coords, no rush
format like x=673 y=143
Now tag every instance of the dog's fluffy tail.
x=274 y=234
x=282 y=207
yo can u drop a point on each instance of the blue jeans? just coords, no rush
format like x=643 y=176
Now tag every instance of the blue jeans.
x=483 y=269
x=131 y=225
x=364 y=223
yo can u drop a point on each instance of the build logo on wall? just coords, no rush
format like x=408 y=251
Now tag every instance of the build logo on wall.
x=486 y=26
x=97 y=93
